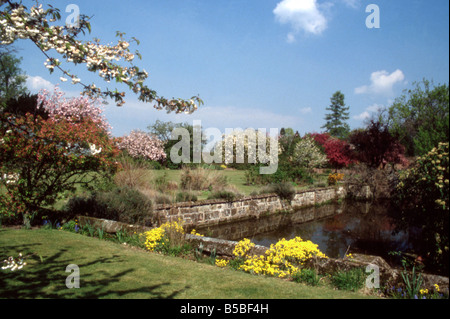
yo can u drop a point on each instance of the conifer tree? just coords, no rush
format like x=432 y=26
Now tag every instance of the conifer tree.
x=336 y=120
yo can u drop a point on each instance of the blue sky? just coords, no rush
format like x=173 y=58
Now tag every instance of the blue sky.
x=265 y=63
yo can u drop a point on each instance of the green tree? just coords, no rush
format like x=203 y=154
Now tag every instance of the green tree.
x=287 y=140
x=422 y=199
x=420 y=117
x=12 y=78
x=336 y=120
x=163 y=130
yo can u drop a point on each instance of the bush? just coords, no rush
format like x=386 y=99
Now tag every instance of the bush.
x=422 y=199
x=307 y=276
x=353 y=279
x=122 y=204
x=286 y=173
x=225 y=194
x=283 y=190
x=282 y=259
x=334 y=178
x=161 y=183
x=133 y=173
x=162 y=199
x=202 y=179
x=169 y=238
x=186 y=197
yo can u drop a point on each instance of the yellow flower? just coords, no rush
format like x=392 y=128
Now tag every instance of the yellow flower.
x=194 y=232
x=222 y=262
x=423 y=291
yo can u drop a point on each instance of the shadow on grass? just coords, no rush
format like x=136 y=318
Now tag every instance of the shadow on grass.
x=45 y=278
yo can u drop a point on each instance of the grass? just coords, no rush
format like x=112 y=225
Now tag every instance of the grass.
x=235 y=178
x=110 y=270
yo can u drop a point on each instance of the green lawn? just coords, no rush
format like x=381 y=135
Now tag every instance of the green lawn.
x=111 y=270
x=235 y=178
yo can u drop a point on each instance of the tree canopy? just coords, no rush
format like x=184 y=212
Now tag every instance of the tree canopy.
x=420 y=117
x=12 y=78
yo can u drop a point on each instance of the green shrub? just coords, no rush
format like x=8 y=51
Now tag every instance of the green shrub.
x=307 y=276
x=283 y=190
x=352 y=279
x=161 y=183
x=122 y=204
x=186 y=197
x=224 y=194
x=422 y=201
x=285 y=173
x=161 y=199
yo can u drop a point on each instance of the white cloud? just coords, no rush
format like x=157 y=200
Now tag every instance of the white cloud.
x=381 y=83
x=37 y=83
x=301 y=15
x=363 y=116
x=368 y=112
x=375 y=108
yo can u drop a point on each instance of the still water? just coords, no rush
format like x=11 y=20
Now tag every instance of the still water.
x=357 y=228
x=340 y=228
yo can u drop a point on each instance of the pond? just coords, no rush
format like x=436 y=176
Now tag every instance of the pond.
x=340 y=228
x=361 y=228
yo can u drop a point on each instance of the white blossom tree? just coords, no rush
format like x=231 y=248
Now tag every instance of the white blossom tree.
x=111 y=62
x=308 y=155
x=248 y=147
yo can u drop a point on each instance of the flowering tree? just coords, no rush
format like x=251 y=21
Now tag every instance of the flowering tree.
x=46 y=158
x=141 y=144
x=248 y=147
x=74 y=110
x=320 y=138
x=307 y=154
x=339 y=152
x=37 y=25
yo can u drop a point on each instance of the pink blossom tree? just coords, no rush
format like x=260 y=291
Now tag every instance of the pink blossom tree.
x=141 y=144
x=43 y=158
x=74 y=110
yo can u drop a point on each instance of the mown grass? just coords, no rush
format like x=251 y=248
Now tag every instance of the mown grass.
x=110 y=270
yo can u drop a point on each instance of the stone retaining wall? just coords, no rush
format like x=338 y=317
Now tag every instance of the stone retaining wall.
x=214 y=212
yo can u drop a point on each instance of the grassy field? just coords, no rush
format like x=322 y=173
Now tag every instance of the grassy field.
x=110 y=270
x=235 y=178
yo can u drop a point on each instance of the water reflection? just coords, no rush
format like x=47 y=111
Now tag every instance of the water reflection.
x=361 y=227
x=356 y=227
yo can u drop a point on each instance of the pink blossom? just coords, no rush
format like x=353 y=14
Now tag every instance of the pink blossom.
x=73 y=109
x=141 y=144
